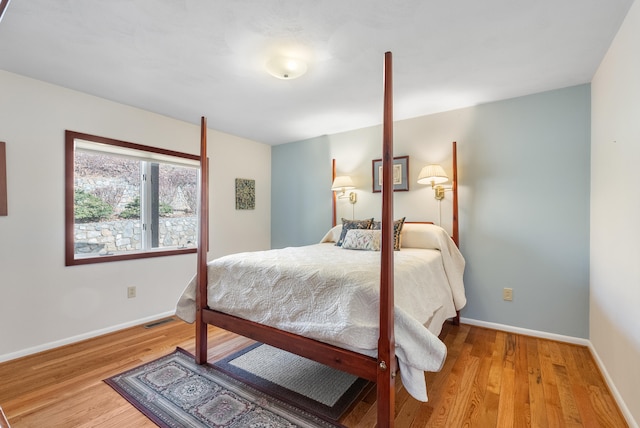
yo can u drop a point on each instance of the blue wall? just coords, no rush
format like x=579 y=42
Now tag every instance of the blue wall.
x=524 y=200
x=300 y=193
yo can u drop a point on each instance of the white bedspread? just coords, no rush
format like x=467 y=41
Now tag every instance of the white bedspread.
x=332 y=294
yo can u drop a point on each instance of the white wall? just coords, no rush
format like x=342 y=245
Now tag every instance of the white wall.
x=42 y=302
x=615 y=212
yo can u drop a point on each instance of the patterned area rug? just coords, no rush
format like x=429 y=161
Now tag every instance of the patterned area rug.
x=320 y=389
x=175 y=392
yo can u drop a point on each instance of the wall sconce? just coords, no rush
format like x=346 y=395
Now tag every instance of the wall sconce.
x=343 y=183
x=434 y=174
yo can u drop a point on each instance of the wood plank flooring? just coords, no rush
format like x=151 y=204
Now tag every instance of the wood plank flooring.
x=490 y=379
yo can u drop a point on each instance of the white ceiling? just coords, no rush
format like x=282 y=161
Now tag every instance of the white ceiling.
x=191 y=58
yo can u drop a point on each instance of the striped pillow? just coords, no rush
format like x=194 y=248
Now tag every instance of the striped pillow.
x=397 y=228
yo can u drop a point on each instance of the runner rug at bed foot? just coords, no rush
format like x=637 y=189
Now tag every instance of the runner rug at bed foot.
x=174 y=391
x=317 y=388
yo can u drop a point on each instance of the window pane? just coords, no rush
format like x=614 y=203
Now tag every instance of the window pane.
x=177 y=206
x=106 y=204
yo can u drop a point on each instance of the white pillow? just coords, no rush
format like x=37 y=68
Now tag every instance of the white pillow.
x=333 y=235
x=422 y=235
x=362 y=239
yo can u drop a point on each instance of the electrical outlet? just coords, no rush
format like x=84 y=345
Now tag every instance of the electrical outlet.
x=507 y=294
x=131 y=292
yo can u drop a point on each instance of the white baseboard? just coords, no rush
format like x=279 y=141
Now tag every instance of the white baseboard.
x=527 y=332
x=80 y=337
x=567 y=339
x=614 y=391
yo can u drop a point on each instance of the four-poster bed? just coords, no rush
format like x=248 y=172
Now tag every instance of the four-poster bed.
x=380 y=365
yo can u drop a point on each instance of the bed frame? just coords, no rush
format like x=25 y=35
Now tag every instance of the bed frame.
x=382 y=369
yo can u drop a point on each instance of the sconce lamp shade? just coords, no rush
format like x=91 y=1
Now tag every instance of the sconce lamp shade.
x=432 y=174
x=286 y=68
x=342 y=183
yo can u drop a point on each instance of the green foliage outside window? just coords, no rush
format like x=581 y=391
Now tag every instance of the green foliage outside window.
x=131 y=210
x=89 y=208
x=165 y=209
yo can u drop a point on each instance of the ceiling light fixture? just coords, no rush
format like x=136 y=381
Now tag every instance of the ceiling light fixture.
x=286 y=68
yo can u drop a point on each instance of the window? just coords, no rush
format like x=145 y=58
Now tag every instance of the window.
x=126 y=201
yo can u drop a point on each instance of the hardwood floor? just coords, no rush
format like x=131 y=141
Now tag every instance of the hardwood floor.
x=490 y=379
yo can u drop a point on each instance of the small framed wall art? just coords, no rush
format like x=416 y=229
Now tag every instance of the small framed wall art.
x=400 y=174
x=245 y=194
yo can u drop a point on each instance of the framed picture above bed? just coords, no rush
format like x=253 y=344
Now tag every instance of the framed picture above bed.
x=400 y=174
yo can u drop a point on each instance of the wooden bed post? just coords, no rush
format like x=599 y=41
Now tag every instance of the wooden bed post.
x=203 y=245
x=333 y=177
x=386 y=341
x=454 y=187
x=381 y=369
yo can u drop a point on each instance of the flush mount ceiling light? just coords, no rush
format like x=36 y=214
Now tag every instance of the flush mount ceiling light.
x=286 y=68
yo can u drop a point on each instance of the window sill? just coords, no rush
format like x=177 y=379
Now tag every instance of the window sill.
x=73 y=261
